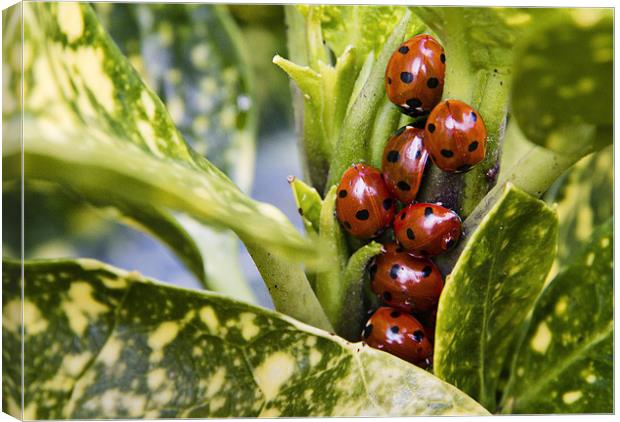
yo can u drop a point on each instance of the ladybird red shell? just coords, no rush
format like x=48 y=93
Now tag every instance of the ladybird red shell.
x=426 y=229
x=403 y=163
x=400 y=334
x=363 y=203
x=414 y=76
x=455 y=136
x=406 y=282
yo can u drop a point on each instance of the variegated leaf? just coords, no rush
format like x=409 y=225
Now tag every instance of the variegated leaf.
x=103 y=343
x=565 y=361
x=490 y=292
x=91 y=123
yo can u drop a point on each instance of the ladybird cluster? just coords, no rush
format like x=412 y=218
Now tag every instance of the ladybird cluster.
x=371 y=201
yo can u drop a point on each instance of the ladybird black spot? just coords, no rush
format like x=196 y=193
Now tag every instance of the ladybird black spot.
x=400 y=249
x=367 y=331
x=394 y=329
x=387 y=296
x=419 y=124
x=414 y=102
x=387 y=203
x=418 y=154
x=403 y=216
x=410 y=234
x=464 y=167
x=418 y=335
x=403 y=50
x=393 y=156
x=428 y=211
x=347 y=225
x=395 y=314
x=432 y=83
x=402 y=185
x=342 y=193
x=450 y=243
x=447 y=153
x=400 y=130
x=389 y=81
x=473 y=116
x=473 y=146
x=394 y=271
x=362 y=215
x=430 y=127
x=406 y=77
x=426 y=271
x=442 y=58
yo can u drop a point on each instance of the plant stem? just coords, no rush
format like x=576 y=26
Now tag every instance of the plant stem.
x=288 y=286
x=352 y=144
x=329 y=283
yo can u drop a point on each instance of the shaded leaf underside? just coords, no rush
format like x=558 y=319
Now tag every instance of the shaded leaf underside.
x=102 y=343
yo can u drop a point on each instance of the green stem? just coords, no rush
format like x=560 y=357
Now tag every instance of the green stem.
x=387 y=118
x=329 y=285
x=288 y=286
x=352 y=144
x=352 y=312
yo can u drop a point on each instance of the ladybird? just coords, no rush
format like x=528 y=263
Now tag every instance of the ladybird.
x=455 y=136
x=427 y=229
x=400 y=334
x=404 y=159
x=363 y=203
x=404 y=281
x=415 y=74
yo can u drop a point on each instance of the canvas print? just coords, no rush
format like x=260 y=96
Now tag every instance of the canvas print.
x=216 y=210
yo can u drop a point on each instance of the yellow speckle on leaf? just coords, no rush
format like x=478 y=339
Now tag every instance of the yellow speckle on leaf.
x=591 y=378
x=155 y=378
x=208 y=316
x=542 y=338
x=70 y=20
x=273 y=372
x=164 y=334
x=111 y=351
x=571 y=397
x=34 y=323
x=561 y=305
x=216 y=382
x=315 y=357
x=248 y=328
x=81 y=307
x=148 y=104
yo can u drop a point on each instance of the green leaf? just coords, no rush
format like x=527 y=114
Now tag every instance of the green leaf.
x=491 y=290
x=565 y=361
x=308 y=202
x=91 y=123
x=584 y=198
x=562 y=94
x=104 y=343
x=193 y=56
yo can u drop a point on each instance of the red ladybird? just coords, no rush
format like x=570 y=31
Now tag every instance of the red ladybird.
x=404 y=281
x=404 y=159
x=400 y=334
x=427 y=229
x=455 y=136
x=363 y=204
x=415 y=75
